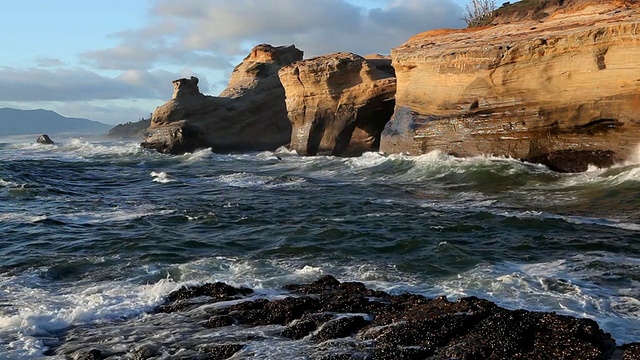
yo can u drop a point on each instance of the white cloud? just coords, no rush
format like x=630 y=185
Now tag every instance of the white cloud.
x=74 y=84
x=214 y=32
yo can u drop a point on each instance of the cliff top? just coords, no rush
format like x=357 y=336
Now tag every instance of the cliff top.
x=542 y=9
x=565 y=19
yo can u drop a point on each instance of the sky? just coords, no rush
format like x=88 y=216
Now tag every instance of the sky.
x=113 y=61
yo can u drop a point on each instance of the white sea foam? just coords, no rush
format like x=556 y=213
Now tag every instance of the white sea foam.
x=161 y=177
x=563 y=285
x=634 y=159
x=107 y=215
x=4 y=183
x=248 y=180
x=30 y=312
x=196 y=156
x=21 y=218
x=70 y=149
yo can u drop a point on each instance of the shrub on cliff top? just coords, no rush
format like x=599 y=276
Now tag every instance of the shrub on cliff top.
x=477 y=12
x=520 y=10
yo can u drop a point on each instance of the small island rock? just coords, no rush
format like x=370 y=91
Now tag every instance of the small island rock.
x=44 y=139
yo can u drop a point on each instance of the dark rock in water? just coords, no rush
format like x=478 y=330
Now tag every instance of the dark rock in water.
x=572 y=161
x=414 y=327
x=90 y=355
x=219 y=321
x=44 y=139
x=221 y=352
x=340 y=328
x=219 y=291
x=179 y=299
x=348 y=321
x=305 y=326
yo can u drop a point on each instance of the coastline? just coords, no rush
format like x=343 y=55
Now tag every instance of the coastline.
x=345 y=320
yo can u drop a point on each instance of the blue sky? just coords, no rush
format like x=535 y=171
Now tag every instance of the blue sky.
x=113 y=61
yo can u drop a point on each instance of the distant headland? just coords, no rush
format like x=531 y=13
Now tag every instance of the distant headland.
x=28 y=122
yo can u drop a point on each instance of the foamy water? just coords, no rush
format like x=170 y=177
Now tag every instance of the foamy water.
x=97 y=233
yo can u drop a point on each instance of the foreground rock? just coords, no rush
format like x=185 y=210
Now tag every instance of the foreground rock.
x=334 y=320
x=44 y=139
x=562 y=90
x=338 y=104
x=249 y=115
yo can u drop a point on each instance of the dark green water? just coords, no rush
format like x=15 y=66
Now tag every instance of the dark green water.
x=95 y=233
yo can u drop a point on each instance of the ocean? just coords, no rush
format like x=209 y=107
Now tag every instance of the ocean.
x=95 y=233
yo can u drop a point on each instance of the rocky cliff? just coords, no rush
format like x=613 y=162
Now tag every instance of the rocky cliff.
x=130 y=130
x=338 y=104
x=564 y=88
x=249 y=115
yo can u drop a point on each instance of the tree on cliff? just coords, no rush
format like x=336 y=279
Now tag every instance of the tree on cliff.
x=477 y=12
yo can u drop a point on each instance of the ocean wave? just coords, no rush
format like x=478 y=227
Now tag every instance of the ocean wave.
x=248 y=180
x=30 y=312
x=73 y=149
x=21 y=218
x=4 y=183
x=161 y=177
x=102 y=217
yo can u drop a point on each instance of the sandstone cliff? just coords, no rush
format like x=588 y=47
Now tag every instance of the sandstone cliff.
x=536 y=90
x=249 y=115
x=338 y=104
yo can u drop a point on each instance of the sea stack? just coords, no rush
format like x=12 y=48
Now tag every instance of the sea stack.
x=45 y=140
x=562 y=89
x=249 y=115
x=338 y=104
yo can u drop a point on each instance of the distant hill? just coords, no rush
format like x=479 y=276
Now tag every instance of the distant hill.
x=24 y=122
x=130 y=130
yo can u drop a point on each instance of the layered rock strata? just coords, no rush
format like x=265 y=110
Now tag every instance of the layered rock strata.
x=338 y=104
x=249 y=115
x=345 y=320
x=533 y=90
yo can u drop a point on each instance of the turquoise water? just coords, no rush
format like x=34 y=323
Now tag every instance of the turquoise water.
x=95 y=233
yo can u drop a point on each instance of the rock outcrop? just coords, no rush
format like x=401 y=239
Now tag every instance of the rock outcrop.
x=130 y=130
x=339 y=103
x=44 y=139
x=249 y=115
x=540 y=90
x=345 y=320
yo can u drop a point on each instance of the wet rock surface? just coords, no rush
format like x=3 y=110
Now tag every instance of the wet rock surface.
x=572 y=161
x=44 y=139
x=334 y=320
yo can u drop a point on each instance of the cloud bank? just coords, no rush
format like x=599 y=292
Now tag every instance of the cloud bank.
x=212 y=32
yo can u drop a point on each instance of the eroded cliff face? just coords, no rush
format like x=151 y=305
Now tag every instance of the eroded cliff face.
x=532 y=90
x=249 y=115
x=338 y=104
